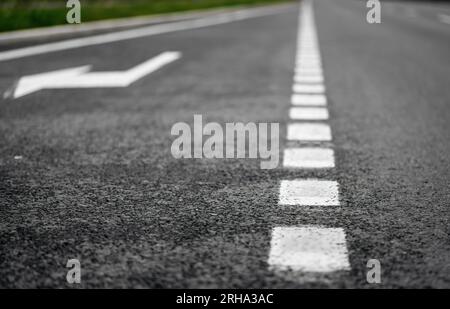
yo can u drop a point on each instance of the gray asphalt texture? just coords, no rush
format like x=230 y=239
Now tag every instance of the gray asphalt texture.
x=97 y=180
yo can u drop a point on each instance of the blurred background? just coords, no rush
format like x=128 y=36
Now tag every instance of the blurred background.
x=23 y=14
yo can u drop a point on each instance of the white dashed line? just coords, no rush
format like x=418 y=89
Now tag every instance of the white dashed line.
x=309 y=132
x=308 y=78
x=309 y=66
x=309 y=99
x=304 y=70
x=309 y=192
x=311 y=249
x=307 y=88
x=308 y=158
x=308 y=113
x=308 y=249
x=308 y=62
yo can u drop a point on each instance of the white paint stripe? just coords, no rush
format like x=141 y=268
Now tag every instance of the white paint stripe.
x=309 y=132
x=308 y=71
x=308 y=58
x=308 y=49
x=311 y=249
x=137 y=33
x=309 y=100
x=308 y=78
x=313 y=58
x=310 y=67
x=309 y=192
x=308 y=88
x=308 y=113
x=309 y=53
x=308 y=158
x=301 y=63
x=80 y=77
x=309 y=44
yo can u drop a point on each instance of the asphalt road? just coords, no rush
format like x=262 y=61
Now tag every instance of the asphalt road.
x=88 y=173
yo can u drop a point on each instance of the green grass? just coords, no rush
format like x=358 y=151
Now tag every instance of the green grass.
x=23 y=14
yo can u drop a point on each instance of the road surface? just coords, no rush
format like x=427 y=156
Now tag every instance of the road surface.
x=88 y=173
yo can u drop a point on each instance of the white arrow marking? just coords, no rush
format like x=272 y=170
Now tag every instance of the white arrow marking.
x=80 y=77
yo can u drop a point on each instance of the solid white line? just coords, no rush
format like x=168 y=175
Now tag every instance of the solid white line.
x=308 y=158
x=137 y=33
x=308 y=113
x=308 y=88
x=309 y=132
x=312 y=249
x=309 y=100
x=309 y=192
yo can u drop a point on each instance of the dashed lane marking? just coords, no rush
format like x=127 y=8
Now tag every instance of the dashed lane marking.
x=308 y=78
x=306 y=71
x=308 y=113
x=309 y=192
x=309 y=132
x=309 y=100
x=308 y=249
x=307 y=88
x=308 y=158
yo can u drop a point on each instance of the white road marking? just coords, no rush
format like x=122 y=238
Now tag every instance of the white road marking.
x=306 y=71
x=309 y=132
x=139 y=32
x=301 y=64
x=308 y=88
x=311 y=249
x=444 y=18
x=80 y=78
x=308 y=249
x=309 y=192
x=308 y=60
x=310 y=57
x=309 y=67
x=308 y=113
x=309 y=100
x=309 y=50
x=308 y=158
x=308 y=78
